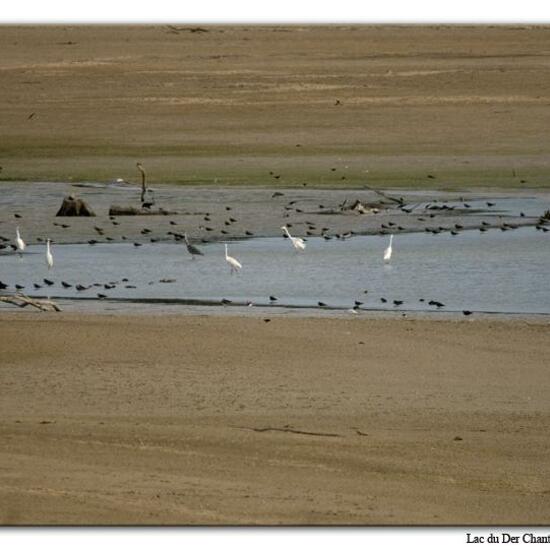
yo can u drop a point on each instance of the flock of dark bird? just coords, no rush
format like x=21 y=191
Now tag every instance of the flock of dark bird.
x=310 y=229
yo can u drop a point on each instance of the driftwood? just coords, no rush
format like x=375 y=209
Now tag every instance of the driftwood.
x=382 y=194
x=133 y=211
x=143 y=183
x=72 y=206
x=357 y=207
x=21 y=300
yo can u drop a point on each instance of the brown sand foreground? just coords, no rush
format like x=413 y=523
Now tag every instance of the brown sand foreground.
x=210 y=420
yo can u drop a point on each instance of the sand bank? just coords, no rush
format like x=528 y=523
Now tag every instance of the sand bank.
x=228 y=420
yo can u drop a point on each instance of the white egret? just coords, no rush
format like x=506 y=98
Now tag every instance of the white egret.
x=49 y=257
x=388 y=251
x=19 y=241
x=235 y=264
x=298 y=243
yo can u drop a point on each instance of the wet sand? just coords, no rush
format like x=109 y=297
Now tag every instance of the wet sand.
x=311 y=212
x=218 y=420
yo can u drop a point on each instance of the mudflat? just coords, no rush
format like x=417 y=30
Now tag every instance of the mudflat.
x=232 y=420
x=423 y=106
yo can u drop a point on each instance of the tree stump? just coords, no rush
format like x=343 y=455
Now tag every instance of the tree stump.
x=73 y=206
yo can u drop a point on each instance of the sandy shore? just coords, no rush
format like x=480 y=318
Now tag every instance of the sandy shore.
x=211 y=420
x=333 y=105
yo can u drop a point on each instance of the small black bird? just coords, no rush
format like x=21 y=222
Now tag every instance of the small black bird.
x=101 y=296
x=467 y=312
x=225 y=301
x=272 y=299
x=37 y=286
x=48 y=282
x=397 y=302
x=321 y=304
x=3 y=286
x=383 y=300
x=19 y=287
x=137 y=244
x=80 y=288
x=66 y=285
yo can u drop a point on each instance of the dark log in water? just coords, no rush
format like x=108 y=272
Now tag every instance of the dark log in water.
x=133 y=211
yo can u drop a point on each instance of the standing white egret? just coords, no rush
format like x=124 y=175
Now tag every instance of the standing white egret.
x=19 y=241
x=298 y=243
x=49 y=257
x=235 y=264
x=388 y=251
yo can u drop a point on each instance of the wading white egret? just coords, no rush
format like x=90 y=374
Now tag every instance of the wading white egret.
x=297 y=243
x=19 y=241
x=49 y=257
x=235 y=264
x=388 y=251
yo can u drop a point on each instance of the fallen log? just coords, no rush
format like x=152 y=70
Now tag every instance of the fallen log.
x=21 y=300
x=133 y=211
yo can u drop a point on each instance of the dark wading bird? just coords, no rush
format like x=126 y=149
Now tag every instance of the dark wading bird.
x=193 y=250
x=143 y=182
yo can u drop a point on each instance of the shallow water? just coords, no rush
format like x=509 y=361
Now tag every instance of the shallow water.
x=496 y=271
